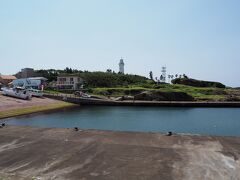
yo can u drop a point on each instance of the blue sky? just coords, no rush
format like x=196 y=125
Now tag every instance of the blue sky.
x=200 y=38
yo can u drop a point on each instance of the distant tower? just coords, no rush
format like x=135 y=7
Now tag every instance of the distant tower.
x=164 y=70
x=121 y=66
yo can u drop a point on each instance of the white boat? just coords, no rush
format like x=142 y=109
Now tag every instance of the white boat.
x=85 y=95
x=17 y=92
x=81 y=94
x=35 y=92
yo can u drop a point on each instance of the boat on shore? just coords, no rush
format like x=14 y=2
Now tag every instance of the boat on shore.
x=82 y=94
x=35 y=92
x=17 y=92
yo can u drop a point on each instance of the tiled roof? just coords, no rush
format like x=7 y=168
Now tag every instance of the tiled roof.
x=10 y=77
x=38 y=78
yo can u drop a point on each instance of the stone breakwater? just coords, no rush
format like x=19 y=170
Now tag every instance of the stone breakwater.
x=38 y=153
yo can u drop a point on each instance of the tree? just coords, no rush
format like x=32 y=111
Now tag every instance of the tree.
x=68 y=70
x=151 y=75
x=109 y=71
x=172 y=76
x=185 y=76
x=161 y=78
x=104 y=79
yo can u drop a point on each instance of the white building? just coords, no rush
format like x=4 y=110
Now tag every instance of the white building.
x=121 y=66
x=69 y=82
x=164 y=74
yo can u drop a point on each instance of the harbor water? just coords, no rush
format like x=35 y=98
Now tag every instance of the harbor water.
x=204 y=121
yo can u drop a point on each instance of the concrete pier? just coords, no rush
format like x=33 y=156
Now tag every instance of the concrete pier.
x=35 y=153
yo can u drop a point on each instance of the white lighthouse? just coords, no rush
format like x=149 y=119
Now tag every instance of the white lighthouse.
x=164 y=75
x=121 y=66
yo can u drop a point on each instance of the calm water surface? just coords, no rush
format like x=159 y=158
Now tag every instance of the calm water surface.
x=206 y=121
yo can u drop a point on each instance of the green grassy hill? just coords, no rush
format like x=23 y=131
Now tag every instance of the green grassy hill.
x=198 y=93
x=114 y=84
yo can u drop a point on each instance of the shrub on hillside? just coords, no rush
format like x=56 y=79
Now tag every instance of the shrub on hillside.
x=163 y=96
x=197 y=83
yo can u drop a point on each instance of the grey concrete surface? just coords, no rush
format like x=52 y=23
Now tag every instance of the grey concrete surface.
x=38 y=153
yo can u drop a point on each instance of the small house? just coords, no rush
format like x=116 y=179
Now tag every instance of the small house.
x=6 y=79
x=69 y=82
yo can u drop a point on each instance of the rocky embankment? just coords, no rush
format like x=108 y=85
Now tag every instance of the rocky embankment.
x=163 y=96
x=197 y=83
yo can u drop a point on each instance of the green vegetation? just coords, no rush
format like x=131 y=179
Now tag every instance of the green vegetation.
x=108 y=79
x=34 y=109
x=197 y=83
x=198 y=93
x=110 y=83
x=95 y=79
x=214 y=94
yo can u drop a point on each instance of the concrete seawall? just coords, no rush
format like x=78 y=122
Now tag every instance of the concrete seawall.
x=91 y=101
x=28 y=153
x=10 y=106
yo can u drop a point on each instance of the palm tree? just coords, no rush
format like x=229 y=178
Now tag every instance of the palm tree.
x=151 y=75
x=161 y=78
x=109 y=71
x=185 y=76
x=172 y=76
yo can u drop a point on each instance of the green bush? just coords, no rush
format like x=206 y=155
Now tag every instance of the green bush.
x=197 y=83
